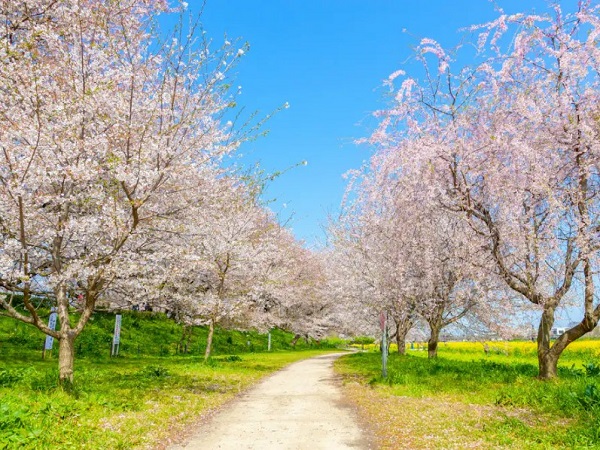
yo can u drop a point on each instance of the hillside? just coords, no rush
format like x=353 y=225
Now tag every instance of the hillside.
x=144 y=334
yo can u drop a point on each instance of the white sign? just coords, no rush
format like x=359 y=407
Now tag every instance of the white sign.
x=52 y=325
x=117 y=335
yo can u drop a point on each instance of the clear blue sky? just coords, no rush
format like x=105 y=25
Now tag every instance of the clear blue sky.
x=328 y=58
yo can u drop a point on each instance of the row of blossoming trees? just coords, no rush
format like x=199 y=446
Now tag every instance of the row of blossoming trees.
x=484 y=191
x=112 y=186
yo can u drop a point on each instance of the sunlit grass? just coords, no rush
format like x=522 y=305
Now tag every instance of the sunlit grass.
x=121 y=403
x=136 y=400
x=491 y=400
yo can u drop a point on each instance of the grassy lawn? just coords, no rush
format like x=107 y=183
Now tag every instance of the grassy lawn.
x=147 y=396
x=122 y=403
x=469 y=400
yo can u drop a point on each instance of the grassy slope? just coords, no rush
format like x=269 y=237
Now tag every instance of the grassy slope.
x=142 y=333
x=467 y=400
x=139 y=399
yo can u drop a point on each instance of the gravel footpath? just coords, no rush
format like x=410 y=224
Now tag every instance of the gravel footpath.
x=297 y=408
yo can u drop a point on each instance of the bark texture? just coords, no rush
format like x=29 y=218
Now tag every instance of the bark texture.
x=209 y=339
x=432 y=343
x=66 y=361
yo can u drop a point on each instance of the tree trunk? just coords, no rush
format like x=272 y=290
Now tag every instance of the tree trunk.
x=401 y=343
x=548 y=366
x=432 y=343
x=547 y=360
x=211 y=331
x=186 y=334
x=66 y=359
x=295 y=340
x=548 y=355
x=66 y=347
x=180 y=343
x=401 y=332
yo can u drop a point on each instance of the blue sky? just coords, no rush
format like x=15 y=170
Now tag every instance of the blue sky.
x=328 y=59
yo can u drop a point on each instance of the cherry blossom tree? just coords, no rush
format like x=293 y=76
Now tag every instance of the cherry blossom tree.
x=355 y=277
x=413 y=254
x=368 y=250
x=234 y=248
x=226 y=261
x=447 y=286
x=304 y=304
x=511 y=144
x=100 y=124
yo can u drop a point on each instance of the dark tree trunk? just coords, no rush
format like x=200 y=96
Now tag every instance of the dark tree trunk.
x=548 y=355
x=432 y=343
x=401 y=343
x=548 y=366
x=402 y=329
x=547 y=362
x=186 y=335
x=295 y=340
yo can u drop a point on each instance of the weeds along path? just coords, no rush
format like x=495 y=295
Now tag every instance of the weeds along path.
x=299 y=407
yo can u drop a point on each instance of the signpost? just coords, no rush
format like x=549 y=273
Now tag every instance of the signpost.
x=52 y=325
x=384 y=348
x=116 y=336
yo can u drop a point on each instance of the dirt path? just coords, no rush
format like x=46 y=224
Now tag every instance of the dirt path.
x=299 y=407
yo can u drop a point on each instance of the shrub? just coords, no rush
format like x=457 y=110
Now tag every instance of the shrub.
x=591 y=369
x=229 y=358
x=154 y=372
x=591 y=396
x=8 y=377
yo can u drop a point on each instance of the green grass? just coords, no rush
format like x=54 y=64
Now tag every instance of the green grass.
x=146 y=334
x=139 y=399
x=563 y=413
x=121 y=403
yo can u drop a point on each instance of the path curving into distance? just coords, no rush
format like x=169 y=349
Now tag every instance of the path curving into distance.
x=298 y=408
